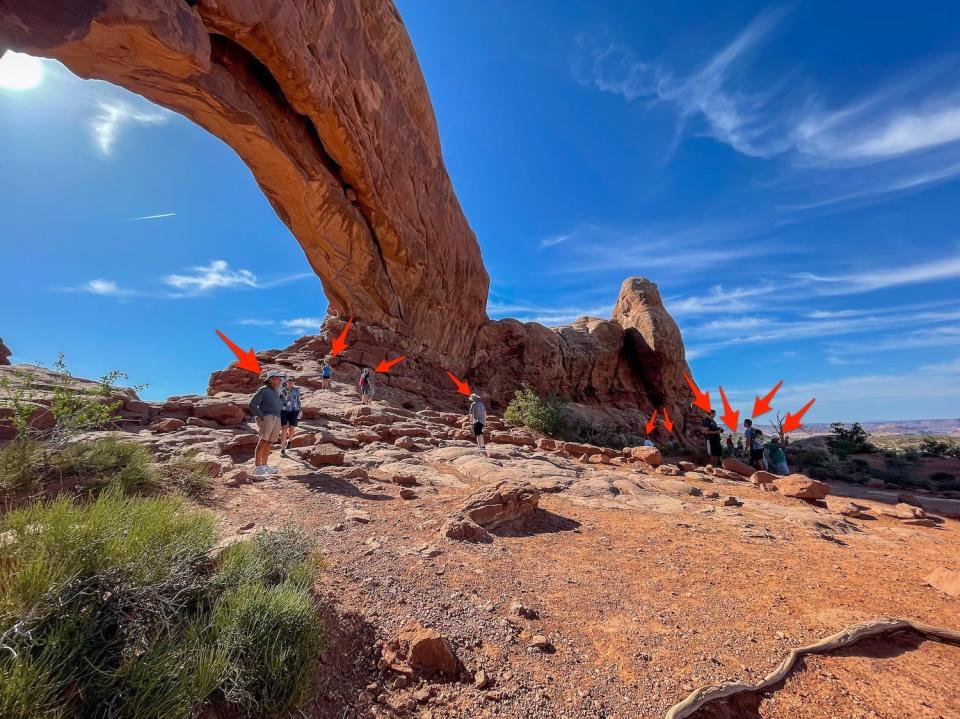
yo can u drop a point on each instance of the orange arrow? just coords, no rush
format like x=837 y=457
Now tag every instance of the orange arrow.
x=385 y=365
x=666 y=420
x=340 y=343
x=702 y=398
x=730 y=418
x=761 y=405
x=462 y=387
x=245 y=360
x=792 y=421
x=652 y=422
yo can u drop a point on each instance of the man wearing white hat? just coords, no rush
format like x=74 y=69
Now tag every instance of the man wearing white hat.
x=266 y=406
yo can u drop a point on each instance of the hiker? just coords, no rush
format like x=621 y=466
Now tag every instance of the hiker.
x=366 y=385
x=647 y=442
x=478 y=416
x=777 y=457
x=712 y=432
x=265 y=405
x=756 y=449
x=325 y=374
x=289 y=413
x=748 y=440
x=730 y=448
x=739 y=447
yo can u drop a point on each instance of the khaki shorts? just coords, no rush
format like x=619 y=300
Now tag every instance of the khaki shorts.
x=269 y=427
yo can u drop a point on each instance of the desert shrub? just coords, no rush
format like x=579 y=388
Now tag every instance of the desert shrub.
x=187 y=476
x=106 y=462
x=849 y=440
x=21 y=466
x=269 y=558
x=945 y=447
x=108 y=609
x=544 y=415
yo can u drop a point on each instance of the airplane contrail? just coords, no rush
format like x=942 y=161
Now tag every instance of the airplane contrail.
x=151 y=217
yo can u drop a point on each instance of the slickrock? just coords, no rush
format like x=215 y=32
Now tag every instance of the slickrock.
x=733 y=464
x=946 y=580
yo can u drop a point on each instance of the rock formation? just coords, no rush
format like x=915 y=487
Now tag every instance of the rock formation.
x=4 y=353
x=326 y=104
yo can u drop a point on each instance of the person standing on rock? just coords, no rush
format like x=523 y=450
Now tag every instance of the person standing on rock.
x=730 y=448
x=712 y=432
x=777 y=457
x=289 y=413
x=366 y=386
x=748 y=432
x=325 y=374
x=266 y=407
x=477 y=415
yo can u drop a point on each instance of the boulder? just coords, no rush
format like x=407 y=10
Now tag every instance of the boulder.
x=407 y=493
x=512 y=438
x=801 y=487
x=491 y=507
x=733 y=464
x=405 y=442
x=419 y=650
x=323 y=455
x=669 y=470
x=227 y=414
x=650 y=455
x=302 y=439
x=171 y=424
x=762 y=477
x=687 y=466
x=547 y=444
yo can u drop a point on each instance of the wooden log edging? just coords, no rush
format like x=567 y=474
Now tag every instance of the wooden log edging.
x=844 y=638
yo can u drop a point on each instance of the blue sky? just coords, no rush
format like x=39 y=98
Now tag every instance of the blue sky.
x=787 y=174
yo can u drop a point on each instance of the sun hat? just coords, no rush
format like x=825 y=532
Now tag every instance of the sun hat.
x=474 y=396
x=274 y=373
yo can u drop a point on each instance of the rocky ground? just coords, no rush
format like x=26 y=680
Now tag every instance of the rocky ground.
x=545 y=579
x=622 y=589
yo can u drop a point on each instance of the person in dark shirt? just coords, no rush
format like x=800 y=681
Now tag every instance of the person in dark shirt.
x=712 y=432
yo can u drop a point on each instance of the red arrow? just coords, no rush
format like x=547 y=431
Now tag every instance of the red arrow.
x=762 y=405
x=730 y=418
x=340 y=343
x=666 y=420
x=702 y=398
x=652 y=422
x=792 y=421
x=245 y=360
x=385 y=365
x=462 y=387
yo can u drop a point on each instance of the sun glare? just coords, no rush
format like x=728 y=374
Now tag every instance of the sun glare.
x=19 y=71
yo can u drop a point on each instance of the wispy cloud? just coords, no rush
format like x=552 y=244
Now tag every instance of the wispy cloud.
x=720 y=300
x=545 y=314
x=151 y=217
x=856 y=282
x=113 y=115
x=555 y=240
x=902 y=117
x=106 y=288
x=295 y=326
x=213 y=276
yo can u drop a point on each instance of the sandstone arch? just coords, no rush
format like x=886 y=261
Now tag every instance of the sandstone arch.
x=325 y=103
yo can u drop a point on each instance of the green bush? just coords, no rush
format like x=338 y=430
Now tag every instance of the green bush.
x=21 y=466
x=110 y=609
x=533 y=412
x=849 y=440
x=187 y=476
x=945 y=447
x=106 y=462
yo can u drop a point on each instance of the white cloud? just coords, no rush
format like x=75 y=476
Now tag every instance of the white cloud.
x=857 y=282
x=720 y=300
x=555 y=240
x=107 y=288
x=214 y=276
x=545 y=315
x=300 y=325
x=904 y=116
x=113 y=114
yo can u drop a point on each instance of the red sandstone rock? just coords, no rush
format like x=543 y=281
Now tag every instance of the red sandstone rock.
x=167 y=425
x=762 y=477
x=4 y=353
x=946 y=580
x=650 y=455
x=418 y=650
x=733 y=464
x=490 y=507
x=801 y=487
x=323 y=454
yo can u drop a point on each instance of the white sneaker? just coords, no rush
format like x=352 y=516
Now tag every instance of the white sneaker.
x=271 y=469
x=261 y=470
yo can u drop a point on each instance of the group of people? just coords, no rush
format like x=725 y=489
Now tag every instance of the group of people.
x=760 y=453
x=277 y=406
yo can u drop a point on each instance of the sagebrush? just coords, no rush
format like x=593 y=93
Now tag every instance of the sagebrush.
x=540 y=414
